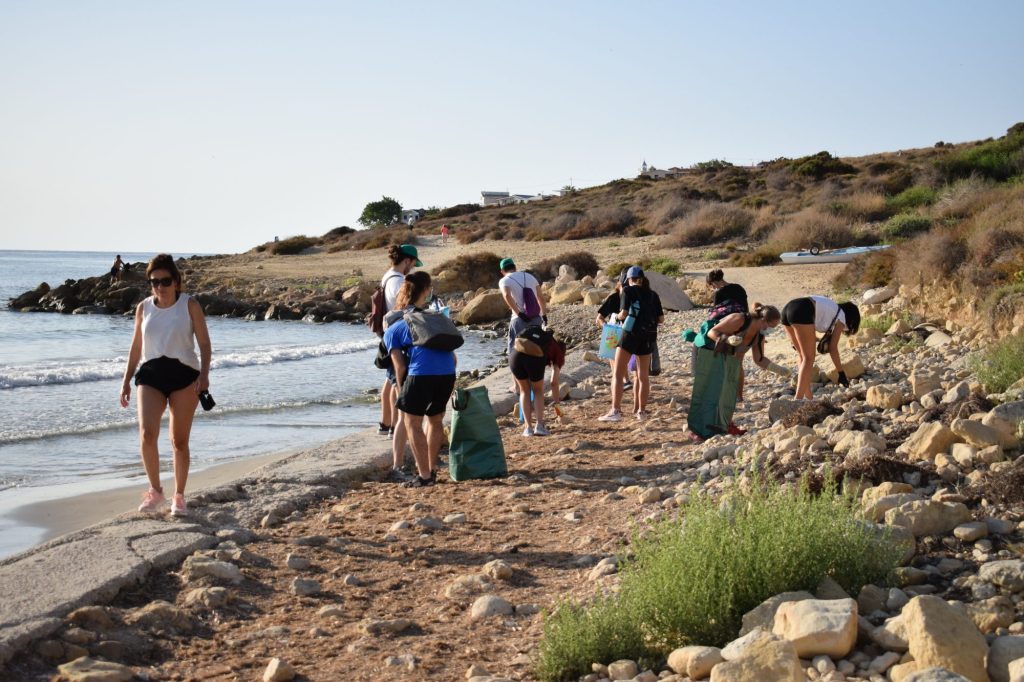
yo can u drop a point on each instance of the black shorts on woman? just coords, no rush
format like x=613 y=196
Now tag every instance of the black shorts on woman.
x=166 y=375
x=426 y=395
x=798 y=311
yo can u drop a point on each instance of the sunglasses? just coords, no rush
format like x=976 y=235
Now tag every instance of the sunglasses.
x=161 y=282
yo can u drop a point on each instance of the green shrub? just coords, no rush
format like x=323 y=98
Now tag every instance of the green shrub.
x=712 y=165
x=691 y=579
x=457 y=210
x=763 y=255
x=583 y=262
x=820 y=166
x=666 y=266
x=879 y=322
x=467 y=272
x=996 y=160
x=905 y=225
x=912 y=197
x=292 y=245
x=1002 y=364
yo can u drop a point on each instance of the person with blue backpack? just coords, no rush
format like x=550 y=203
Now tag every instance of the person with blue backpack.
x=521 y=292
x=640 y=312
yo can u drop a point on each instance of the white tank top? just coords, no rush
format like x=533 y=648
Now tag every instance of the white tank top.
x=825 y=311
x=168 y=332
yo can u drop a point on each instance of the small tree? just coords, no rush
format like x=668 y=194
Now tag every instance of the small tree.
x=381 y=213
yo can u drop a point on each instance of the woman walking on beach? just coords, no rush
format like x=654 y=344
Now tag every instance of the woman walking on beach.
x=168 y=325
x=641 y=313
x=802 y=317
x=425 y=379
x=716 y=377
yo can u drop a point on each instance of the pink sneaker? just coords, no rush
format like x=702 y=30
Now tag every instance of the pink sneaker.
x=151 y=500
x=178 y=506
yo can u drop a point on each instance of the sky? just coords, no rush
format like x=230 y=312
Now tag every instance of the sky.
x=211 y=127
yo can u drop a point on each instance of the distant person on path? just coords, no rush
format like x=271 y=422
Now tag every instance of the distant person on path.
x=521 y=292
x=116 y=268
x=640 y=312
x=802 y=317
x=444 y=235
x=532 y=352
x=425 y=378
x=716 y=376
x=168 y=326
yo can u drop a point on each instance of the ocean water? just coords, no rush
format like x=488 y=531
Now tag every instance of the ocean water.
x=279 y=385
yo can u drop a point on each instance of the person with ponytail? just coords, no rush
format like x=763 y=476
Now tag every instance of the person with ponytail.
x=403 y=257
x=425 y=379
x=717 y=375
x=725 y=292
x=801 y=318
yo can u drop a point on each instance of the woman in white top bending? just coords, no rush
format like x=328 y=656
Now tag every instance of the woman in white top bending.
x=802 y=317
x=168 y=325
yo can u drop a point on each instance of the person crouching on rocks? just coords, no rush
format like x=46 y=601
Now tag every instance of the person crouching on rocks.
x=640 y=309
x=801 y=318
x=521 y=292
x=425 y=379
x=533 y=350
x=716 y=379
x=168 y=325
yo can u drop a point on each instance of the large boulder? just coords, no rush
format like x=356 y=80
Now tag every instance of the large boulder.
x=763 y=615
x=768 y=658
x=911 y=672
x=1007 y=573
x=564 y=293
x=852 y=441
x=923 y=383
x=30 y=298
x=876 y=508
x=818 y=627
x=696 y=662
x=928 y=517
x=485 y=307
x=976 y=433
x=885 y=397
x=942 y=636
x=1006 y=419
x=671 y=294
x=930 y=439
x=852 y=365
x=594 y=296
x=879 y=295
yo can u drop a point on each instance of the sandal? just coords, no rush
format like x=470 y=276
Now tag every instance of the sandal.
x=418 y=482
x=695 y=438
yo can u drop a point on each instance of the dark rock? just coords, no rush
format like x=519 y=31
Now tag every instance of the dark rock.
x=30 y=299
x=278 y=311
x=91 y=310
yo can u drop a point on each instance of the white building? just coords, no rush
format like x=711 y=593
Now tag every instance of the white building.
x=658 y=173
x=505 y=199
x=411 y=215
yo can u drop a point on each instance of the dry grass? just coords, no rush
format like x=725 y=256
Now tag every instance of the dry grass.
x=814 y=227
x=860 y=207
x=711 y=223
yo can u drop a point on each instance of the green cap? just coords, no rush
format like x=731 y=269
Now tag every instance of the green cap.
x=506 y=263
x=410 y=251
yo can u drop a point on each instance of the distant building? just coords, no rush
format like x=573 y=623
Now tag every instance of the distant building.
x=659 y=173
x=505 y=199
x=411 y=215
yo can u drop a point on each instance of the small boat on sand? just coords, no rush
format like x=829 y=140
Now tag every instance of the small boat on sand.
x=815 y=255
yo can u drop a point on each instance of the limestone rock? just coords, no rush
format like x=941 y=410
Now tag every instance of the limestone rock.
x=971 y=532
x=623 y=670
x=211 y=597
x=1016 y=670
x=765 y=659
x=485 y=307
x=763 y=615
x=879 y=295
x=380 y=627
x=782 y=407
x=1008 y=573
x=885 y=397
x=594 y=296
x=489 y=606
x=852 y=441
x=1006 y=419
x=976 y=433
x=564 y=293
x=928 y=517
x=696 y=662
x=930 y=439
x=92 y=618
x=940 y=635
x=876 y=511
x=278 y=671
x=991 y=614
x=304 y=587
x=853 y=365
x=925 y=675
x=671 y=294
x=197 y=566
x=466 y=587
x=923 y=383
x=87 y=669
x=818 y=627
x=498 y=570
x=162 y=615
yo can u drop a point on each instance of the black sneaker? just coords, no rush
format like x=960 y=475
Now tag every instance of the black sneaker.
x=383 y=429
x=398 y=476
x=418 y=482
x=391 y=432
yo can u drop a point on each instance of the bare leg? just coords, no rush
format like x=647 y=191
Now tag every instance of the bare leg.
x=538 y=401
x=418 y=440
x=524 y=400
x=435 y=436
x=151 y=408
x=401 y=437
x=643 y=380
x=806 y=346
x=183 y=409
x=618 y=374
x=387 y=404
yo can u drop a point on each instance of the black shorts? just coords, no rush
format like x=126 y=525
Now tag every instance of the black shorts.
x=525 y=366
x=166 y=375
x=426 y=395
x=638 y=344
x=798 y=311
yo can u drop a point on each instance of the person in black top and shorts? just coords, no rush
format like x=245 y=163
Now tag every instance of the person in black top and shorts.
x=643 y=306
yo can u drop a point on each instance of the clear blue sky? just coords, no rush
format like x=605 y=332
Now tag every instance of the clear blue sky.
x=214 y=126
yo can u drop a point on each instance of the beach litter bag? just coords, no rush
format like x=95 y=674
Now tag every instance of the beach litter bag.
x=610 y=335
x=715 y=382
x=474 y=449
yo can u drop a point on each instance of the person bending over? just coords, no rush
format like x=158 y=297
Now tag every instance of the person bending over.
x=801 y=318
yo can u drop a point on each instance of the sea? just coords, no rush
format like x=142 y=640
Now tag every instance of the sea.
x=279 y=386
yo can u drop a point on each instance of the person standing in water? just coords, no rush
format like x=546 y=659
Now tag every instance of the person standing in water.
x=168 y=326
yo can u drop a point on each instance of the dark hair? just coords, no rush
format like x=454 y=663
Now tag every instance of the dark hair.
x=396 y=255
x=768 y=313
x=715 y=276
x=164 y=261
x=852 y=313
x=412 y=288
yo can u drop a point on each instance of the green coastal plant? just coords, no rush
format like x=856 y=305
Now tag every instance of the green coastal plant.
x=691 y=579
x=913 y=197
x=905 y=225
x=292 y=245
x=1002 y=365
